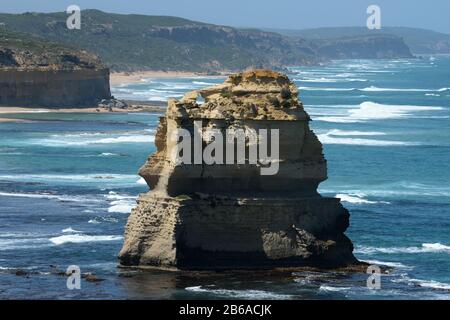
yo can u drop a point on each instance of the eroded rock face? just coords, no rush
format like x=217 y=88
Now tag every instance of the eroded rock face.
x=38 y=73
x=214 y=216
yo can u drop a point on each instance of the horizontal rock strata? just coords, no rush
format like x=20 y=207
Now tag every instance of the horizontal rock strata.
x=37 y=73
x=53 y=88
x=219 y=216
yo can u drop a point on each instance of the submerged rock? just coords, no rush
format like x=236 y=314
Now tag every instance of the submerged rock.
x=230 y=214
x=113 y=104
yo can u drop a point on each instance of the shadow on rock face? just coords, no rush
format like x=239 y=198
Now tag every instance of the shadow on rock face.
x=202 y=216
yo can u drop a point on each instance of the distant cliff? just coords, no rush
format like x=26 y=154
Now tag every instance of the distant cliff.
x=363 y=47
x=34 y=72
x=138 y=42
x=419 y=41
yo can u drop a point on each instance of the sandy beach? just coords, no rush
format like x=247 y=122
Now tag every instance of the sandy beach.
x=118 y=78
x=22 y=110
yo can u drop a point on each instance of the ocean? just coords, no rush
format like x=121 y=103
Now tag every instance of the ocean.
x=69 y=180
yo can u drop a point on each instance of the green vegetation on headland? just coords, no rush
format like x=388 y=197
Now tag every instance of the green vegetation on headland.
x=25 y=51
x=138 y=42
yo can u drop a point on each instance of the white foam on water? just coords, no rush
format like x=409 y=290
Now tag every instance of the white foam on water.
x=26 y=111
x=64 y=198
x=377 y=89
x=121 y=206
x=6 y=268
x=23 y=243
x=429 y=284
x=70 y=230
x=318 y=80
x=115 y=196
x=241 y=294
x=122 y=203
x=337 y=132
x=108 y=154
x=120 y=139
x=425 y=248
x=373 y=89
x=203 y=83
x=333 y=289
x=325 y=89
x=90 y=177
x=141 y=181
x=371 y=110
x=368 y=111
x=356 y=199
x=336 y=119
x=394 y=190
x=98 y=220
x=388 y=264
x=92 y=138
x=81 y=238
x=328 y=138
x=330 y=80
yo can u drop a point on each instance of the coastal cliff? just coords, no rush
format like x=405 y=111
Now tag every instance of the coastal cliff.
x=166 y=43
x=379 y=46
x=219 y=216
x=34 y=72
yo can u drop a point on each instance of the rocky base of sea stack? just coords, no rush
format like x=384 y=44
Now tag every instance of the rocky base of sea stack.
x=237 y=233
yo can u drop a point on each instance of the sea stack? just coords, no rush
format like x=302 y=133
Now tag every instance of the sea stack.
x=231 y=216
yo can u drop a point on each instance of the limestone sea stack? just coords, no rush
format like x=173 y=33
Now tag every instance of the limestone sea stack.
x=228 y=215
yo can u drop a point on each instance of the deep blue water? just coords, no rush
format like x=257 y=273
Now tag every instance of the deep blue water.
x=67 y=182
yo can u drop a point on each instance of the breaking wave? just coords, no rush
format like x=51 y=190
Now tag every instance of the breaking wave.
x=337 y=132
x=70 y=230
x=372 y=89
x=328 y=138
x=330 y=80
x=81 y=238
x=429 y=284
x=357 y=199
x=120 y=203
x=388 y=264
x=241 y=294
x=333 y=289
x=69 y=178
x=394 y=189
x=367 y=111
x=64 y=198
x=122 y=206
x=425 y=248
x=94 y=138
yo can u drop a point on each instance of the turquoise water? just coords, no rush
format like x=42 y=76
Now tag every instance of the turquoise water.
x=68 y=181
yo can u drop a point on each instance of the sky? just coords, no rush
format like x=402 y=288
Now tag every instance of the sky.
x=280 y=14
